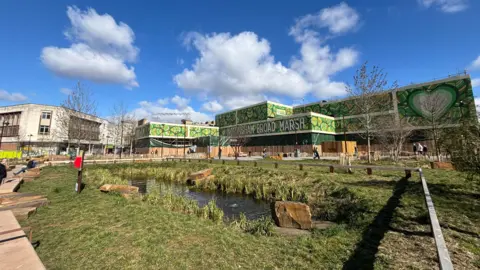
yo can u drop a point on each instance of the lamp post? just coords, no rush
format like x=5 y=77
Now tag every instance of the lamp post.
x=29 y=144
x=5 y=123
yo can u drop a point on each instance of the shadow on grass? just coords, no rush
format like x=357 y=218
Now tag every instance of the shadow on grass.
x=373 y=183
x=363 y=256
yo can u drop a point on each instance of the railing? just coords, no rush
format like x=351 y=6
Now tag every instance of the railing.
x=442 y=251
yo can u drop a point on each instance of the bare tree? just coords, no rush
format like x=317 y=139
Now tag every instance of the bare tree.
x=392 y=133
x=237 y=142
x=433 y=109
x=76 y=117
x=367 y=99
x=124 y=126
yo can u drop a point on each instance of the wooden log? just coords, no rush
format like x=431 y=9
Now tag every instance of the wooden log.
x=23 y=213
x=16 y=194
x=36 y=203
x=332 y=169
x=17 y=200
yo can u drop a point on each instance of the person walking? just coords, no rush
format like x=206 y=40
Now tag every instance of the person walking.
x=415 y=148
x=425 y=149
x=419 y=149
x=3 y=170
x=264 y=153
x=220 y=153
x=315 y=153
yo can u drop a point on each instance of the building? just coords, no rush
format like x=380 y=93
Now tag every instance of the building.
x=283 y=128
x=172 y=139
x=45 y=129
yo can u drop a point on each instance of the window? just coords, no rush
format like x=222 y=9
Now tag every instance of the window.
x=46 y=115
x=44 y=129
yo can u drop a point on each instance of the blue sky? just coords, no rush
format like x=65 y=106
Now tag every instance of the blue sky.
x=205 y=57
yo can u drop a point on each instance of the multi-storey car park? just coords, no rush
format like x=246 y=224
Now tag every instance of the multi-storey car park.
x=282 y=128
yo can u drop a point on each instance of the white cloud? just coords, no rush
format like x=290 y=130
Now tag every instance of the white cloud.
x=237 y=68
x=180 y=102
x=66 y=91
x=100 y=50
x=475 y=64
x=338 y=19
x=212 y=106
x=448 y=6
x=163 y=101
x=242 y=101
x=237 y=65
x=148 y=110
x=16 y=97
x=476 y=82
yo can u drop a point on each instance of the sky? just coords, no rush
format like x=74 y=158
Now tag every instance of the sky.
x=206 y=57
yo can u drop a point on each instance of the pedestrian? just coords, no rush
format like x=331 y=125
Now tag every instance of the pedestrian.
x=355 y=151
x=415 y=148
x=419 y=149
x=315 y=153
x=3 y=170
x=264 y=153
x=425 y=149
x=30 y=165
x=220 y=153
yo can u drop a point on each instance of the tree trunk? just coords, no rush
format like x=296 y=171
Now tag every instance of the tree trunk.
x=368 y=148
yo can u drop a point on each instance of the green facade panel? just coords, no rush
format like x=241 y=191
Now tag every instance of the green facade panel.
x=445 y=102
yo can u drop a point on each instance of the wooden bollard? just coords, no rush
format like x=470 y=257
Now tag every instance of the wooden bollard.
x=189 y=160
x=369 y=171
x=276 y=165
x=238 y=162
x=300 y=167
x=255 y=164
x=114 y=162
x=408 y=174
x=332 y=169
x=199 y=161
x=211 y=160
x=223 y=162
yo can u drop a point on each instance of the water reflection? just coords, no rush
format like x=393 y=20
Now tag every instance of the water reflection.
x=231 y=204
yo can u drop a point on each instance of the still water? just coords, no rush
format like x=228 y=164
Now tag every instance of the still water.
x=231 y=204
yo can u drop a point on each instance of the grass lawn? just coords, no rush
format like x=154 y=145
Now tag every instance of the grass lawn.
x=382 y=223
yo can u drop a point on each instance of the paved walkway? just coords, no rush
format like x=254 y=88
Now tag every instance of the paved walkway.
x=16 y=251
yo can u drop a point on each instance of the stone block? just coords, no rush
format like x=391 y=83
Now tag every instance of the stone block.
x=200 y=174
x=119 y=188
x=291 y=215
x=442 y=165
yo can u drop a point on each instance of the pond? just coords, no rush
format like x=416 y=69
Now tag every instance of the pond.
x=231 y=204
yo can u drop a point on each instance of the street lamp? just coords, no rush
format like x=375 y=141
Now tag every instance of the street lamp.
x=5 y=123
x=29 y=143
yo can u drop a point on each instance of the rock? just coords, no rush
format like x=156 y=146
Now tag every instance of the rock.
x=119 y=188
x=292 y=215
x=194 y=182
x=200 y=174
x=442 y=165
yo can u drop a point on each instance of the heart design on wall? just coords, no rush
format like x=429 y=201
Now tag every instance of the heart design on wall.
x=433 y=103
